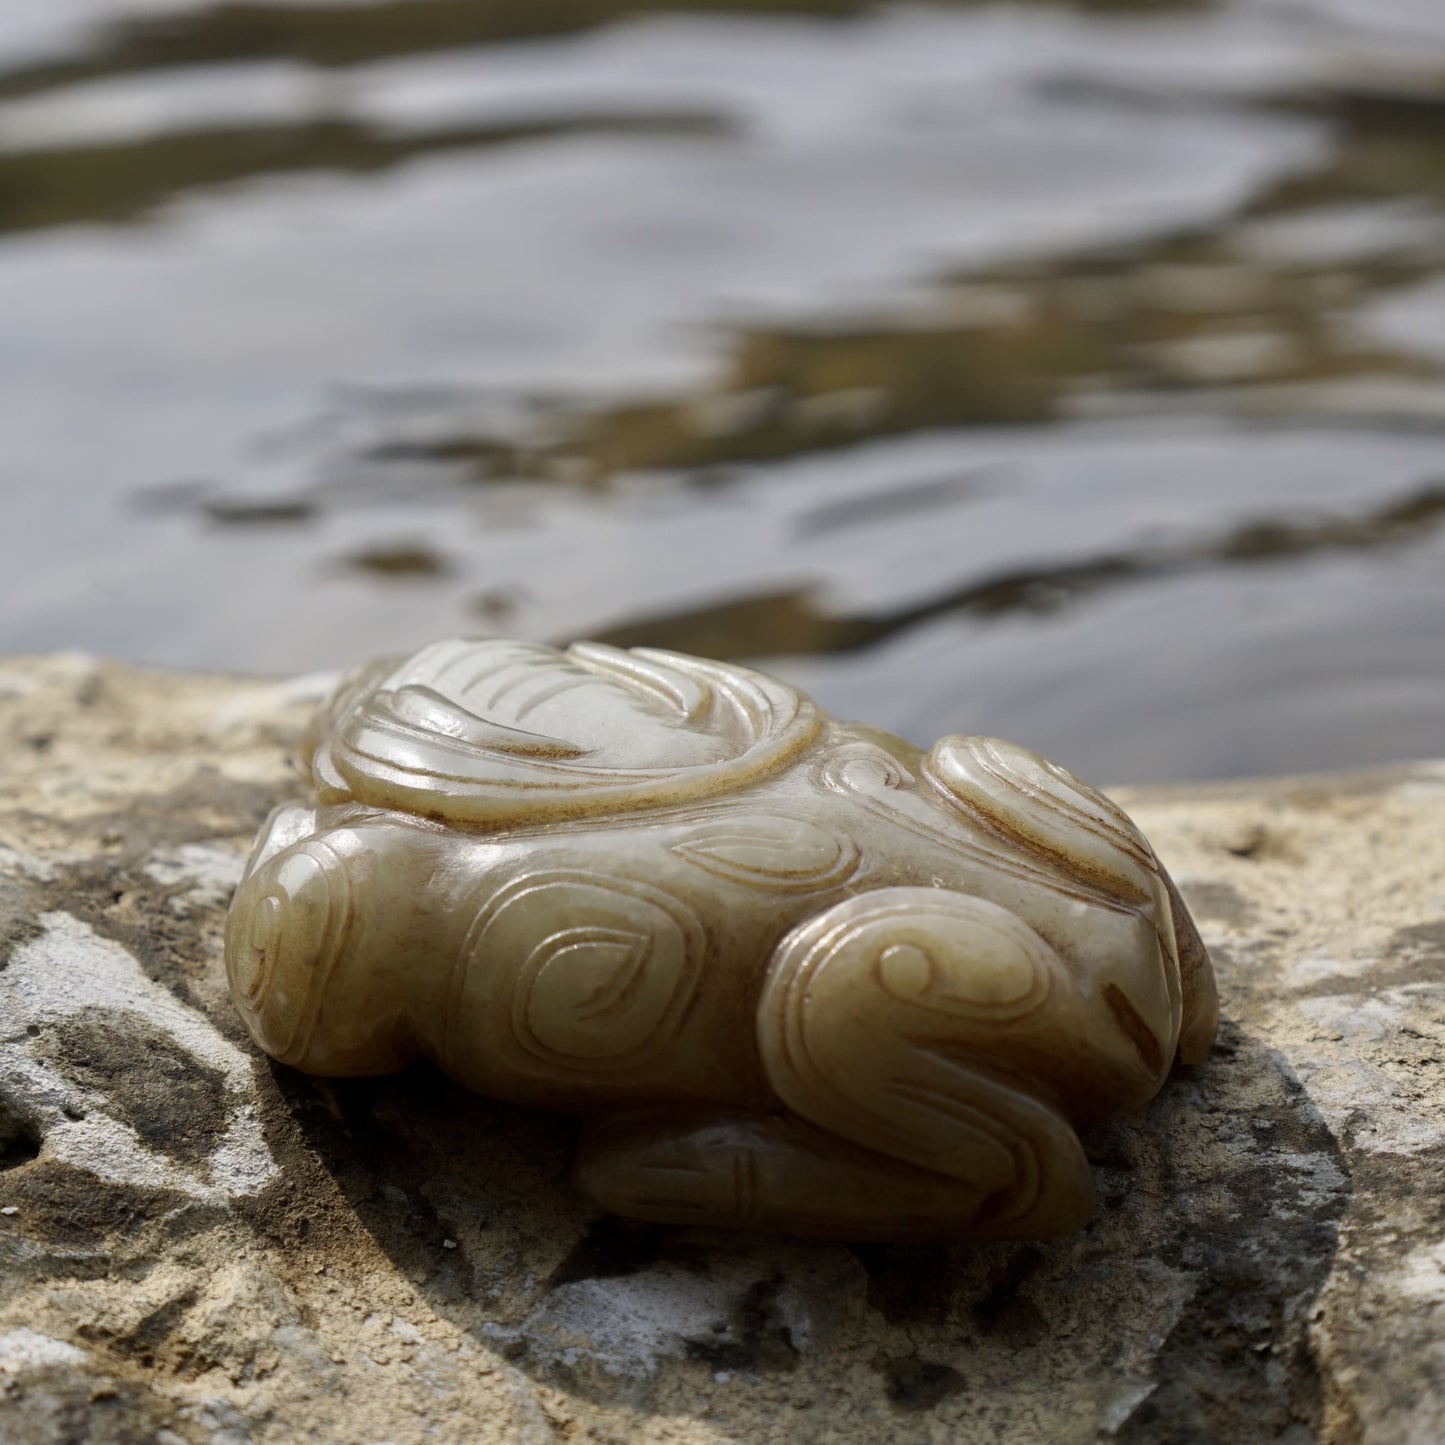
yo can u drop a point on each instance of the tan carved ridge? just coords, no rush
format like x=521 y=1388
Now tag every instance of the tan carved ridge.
x=797 y=974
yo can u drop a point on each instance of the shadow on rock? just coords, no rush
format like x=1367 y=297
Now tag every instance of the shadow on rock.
x=1180 y=1313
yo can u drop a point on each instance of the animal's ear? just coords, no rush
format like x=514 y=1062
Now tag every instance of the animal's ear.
x=490 y=733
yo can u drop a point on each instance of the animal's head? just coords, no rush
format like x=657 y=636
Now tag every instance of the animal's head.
x=330 y=944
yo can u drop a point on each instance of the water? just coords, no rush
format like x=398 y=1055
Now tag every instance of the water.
x=1070 y=373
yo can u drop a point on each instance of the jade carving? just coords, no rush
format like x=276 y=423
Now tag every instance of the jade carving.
x=796 y=974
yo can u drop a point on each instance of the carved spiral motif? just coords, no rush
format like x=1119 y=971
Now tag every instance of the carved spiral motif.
x=570 y=971
x=889 y=791
x=490 y=732
x=765 y=850
x=284 y=938
x=1043 y=809
x=865 y=1025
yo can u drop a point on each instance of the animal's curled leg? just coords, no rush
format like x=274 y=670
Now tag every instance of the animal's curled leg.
x=766 y=1172
x=909 y=1020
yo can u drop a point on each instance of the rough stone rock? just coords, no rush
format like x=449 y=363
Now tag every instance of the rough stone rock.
x=197 y=1245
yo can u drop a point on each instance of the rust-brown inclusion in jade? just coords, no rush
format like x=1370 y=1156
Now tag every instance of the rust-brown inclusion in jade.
x=796 y=974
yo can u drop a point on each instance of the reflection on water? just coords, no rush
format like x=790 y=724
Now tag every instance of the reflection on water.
x=788 y=622
x=1066 y=371
x=341 y=35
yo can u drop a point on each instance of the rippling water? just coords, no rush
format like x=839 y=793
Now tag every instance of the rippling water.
x=1067 y=372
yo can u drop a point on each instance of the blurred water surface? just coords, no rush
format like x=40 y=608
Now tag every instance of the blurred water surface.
x=1070 y=372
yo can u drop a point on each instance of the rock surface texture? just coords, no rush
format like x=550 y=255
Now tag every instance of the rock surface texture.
x=199 y=1245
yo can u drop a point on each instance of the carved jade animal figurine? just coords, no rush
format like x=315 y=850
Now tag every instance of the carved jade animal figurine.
x=798 y=975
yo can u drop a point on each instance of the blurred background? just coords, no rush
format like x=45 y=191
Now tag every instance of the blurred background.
x=1073 y=372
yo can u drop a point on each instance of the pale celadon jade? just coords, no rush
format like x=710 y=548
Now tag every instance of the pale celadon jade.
x=798 y=975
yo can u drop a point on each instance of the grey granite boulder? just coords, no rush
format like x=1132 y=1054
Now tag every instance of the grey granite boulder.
x=199 y=1245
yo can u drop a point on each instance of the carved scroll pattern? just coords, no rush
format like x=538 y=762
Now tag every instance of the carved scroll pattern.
x=1040 y=809
x=283 y=949
x=444 y=733
x=870 y=1026
x=1031 y=820
x=1037 y=806
x=572 y=971
x=882 y=785
x=766 y=850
